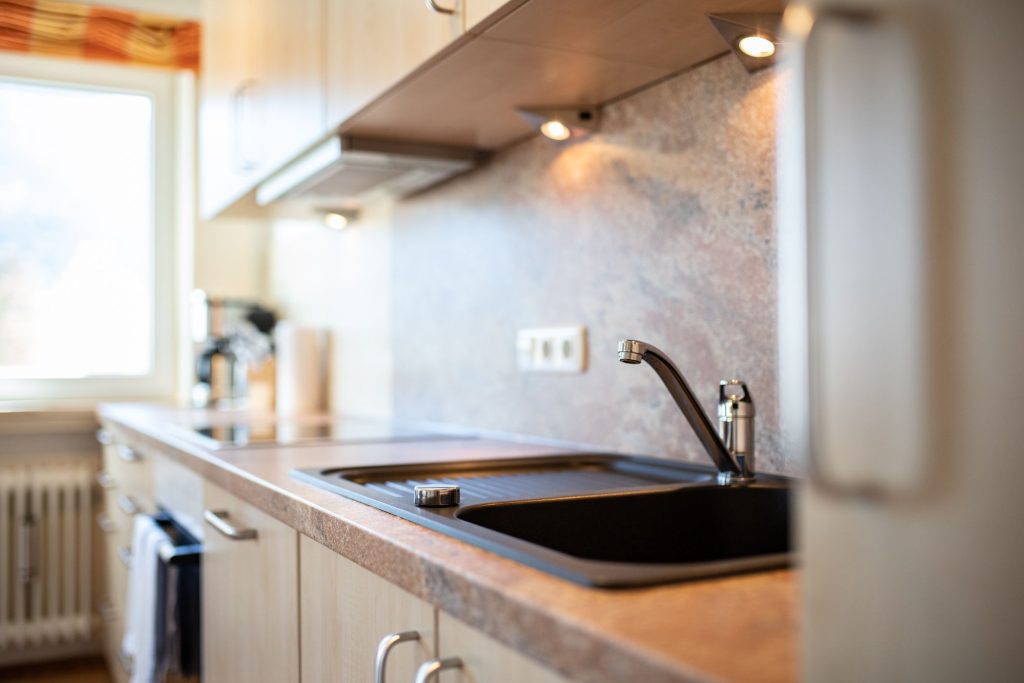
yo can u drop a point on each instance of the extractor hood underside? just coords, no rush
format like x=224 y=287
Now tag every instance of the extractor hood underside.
x=345 y=170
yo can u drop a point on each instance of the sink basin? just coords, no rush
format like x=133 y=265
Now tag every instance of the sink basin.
x=686 y=525
x=598 y=520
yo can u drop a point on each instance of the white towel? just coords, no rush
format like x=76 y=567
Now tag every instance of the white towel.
x=141 y=603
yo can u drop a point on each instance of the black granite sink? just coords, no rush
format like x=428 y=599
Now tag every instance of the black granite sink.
x=598 y=520
x=684 y=526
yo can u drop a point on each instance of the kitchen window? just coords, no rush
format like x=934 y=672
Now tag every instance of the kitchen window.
x=87 y=217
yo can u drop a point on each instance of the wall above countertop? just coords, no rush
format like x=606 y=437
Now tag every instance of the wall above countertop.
x=661 y=228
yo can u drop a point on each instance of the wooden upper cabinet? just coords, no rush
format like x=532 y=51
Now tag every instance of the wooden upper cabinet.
x=372 y=44
x=250 y=594
x=347 y=610
x=545 y=53
x=261 y=92
x=226 y=112
x=478 y=10
x=289 y=79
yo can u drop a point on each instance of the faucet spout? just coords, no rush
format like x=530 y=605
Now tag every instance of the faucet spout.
x=632 y=351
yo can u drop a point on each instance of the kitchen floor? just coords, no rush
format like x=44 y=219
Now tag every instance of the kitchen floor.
x=91 y=670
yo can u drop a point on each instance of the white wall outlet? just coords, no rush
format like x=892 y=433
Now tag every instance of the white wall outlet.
x=552 y=349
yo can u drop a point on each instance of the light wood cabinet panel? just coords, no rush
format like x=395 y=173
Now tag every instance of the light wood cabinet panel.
x=227 y=122
x=485 y=660
x=288 y=77
x=250 y=597
x=346 y=611
x=372 y=44
x=261 y=92
x=478 y=10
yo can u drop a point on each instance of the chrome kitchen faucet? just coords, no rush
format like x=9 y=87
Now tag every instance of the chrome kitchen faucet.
x=731 y=448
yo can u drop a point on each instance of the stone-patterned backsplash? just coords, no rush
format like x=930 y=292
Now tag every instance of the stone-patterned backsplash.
x=660 y=228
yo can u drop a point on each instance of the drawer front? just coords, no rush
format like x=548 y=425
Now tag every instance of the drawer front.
x=113 y=629
x=129 y=471
x=180 y=493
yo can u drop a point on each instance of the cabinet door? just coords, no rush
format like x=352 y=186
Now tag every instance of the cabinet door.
x=227 y=91
x=484 y=660
x=372 y=44
x=478 y=10
x=250 y=594
x=346 y=611
x=287 y=79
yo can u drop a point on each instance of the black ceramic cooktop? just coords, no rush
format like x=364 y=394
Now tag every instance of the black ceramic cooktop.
x=303 y=431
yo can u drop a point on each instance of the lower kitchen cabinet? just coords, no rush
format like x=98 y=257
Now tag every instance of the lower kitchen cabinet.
x=347 y=611
x=484 y=660
x=250 y=594
x=127 y=490
x=262 y=581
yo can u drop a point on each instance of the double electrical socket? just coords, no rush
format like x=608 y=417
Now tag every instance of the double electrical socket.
x=552 y=349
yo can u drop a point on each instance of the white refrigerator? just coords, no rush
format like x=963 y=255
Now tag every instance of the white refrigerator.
x=901 y=232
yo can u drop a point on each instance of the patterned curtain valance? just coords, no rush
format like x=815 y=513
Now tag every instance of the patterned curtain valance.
x=91 y=32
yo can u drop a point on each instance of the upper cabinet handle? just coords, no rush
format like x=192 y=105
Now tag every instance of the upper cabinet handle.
x=242 y=114
x=428 y=669
x=432 y=4
x=103 y=436
x=384 y=649
x=218 y=520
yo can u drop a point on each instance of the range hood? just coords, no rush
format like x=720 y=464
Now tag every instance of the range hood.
x=345 y=170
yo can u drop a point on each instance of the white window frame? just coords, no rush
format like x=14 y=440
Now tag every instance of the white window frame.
x=171 y=95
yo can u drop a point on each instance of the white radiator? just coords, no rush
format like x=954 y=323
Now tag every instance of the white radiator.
x=45 y=554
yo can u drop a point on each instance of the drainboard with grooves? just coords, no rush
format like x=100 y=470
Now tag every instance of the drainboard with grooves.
x=538 y=484
x=507 y=479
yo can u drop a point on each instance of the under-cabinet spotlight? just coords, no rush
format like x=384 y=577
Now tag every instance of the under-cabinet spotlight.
x=562 y=124
x=335 y=221
x=339 y=219
x=555 y=130
x=753 y=37
x=756 y=46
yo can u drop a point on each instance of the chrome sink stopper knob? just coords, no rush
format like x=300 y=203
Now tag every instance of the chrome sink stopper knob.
x=431 y=496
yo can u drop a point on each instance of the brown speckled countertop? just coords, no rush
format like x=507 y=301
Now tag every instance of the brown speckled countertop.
x=740 y=628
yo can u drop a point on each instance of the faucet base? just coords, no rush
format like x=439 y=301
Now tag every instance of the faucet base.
x=730 y=479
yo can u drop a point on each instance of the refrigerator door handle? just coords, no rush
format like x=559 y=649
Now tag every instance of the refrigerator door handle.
x=870 y=349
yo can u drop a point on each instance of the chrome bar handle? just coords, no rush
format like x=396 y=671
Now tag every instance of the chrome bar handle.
x=105 y=481
x=433 y=6
x=107 y=611
x=428 y=669
x=218 y=520
x=125 y=660
x=128 y=505
x=821 y=480
x=384 y=649
x=103 y=436
x=106 y=525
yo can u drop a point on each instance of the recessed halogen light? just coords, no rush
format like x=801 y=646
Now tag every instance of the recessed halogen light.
x=335 y=221
x=756 y=46
x=555 y=130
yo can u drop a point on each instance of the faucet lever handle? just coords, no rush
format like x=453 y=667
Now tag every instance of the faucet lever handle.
x=736 y=423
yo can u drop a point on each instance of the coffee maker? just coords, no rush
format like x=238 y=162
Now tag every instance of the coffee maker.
x=230 y=338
